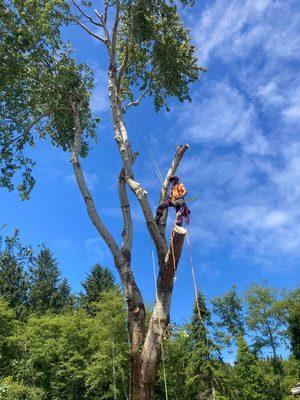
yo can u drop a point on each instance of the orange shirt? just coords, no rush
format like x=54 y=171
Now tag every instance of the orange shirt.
x=178 y=191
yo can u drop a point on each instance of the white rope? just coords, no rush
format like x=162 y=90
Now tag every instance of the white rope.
x=161 y=344
x=193 y=275
x=147 y=147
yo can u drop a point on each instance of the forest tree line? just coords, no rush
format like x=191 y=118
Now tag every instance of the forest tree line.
x=56 y=345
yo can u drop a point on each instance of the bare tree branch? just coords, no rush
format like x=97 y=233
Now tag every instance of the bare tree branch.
x=142 y=197
x=181 y=149
x=101 y=39
x=115 y=31
x=85 y=15
x=103 y=19
x=135 y=102
x=136 y=308
x=86 y=194
x=127 y=220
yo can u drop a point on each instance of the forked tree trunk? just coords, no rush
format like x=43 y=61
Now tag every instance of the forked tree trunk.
x=144 y=371
x=145 y=346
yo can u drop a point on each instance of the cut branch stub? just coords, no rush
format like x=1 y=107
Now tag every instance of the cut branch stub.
x=173 y=255
x=181 y=149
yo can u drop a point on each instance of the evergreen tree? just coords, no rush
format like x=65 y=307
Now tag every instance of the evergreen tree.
x=99 y=279
x=250 y=382
x=13 y=282
x=44 y=283
x=13 y=279
x=66 y=299
x=204 y=365
x=230 y=324
x=293 y=307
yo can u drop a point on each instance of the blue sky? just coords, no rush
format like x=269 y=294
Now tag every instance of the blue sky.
x=243 y=163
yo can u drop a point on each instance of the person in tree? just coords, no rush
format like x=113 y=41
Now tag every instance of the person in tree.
x=175 y=199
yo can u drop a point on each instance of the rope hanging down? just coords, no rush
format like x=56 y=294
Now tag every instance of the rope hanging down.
x=193 y=275
x=160 y=177
x=161 y=344
x=147 y=148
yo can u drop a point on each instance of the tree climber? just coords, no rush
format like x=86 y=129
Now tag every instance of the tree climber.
x=175 y=199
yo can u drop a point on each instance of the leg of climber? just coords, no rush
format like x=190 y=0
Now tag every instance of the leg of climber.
x=179 y=216
x=161 y=208
x=178 y=204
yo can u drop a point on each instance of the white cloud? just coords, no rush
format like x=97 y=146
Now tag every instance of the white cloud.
x=235 y=28
x=259 y=40
x=91 y=179
x=242 y=126
x=222 y=116
x=209 y=271
x=292 y=112
x=96 y=248
x=99 y=99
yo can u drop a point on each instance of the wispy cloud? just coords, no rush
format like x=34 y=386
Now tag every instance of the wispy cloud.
x=222 y=116
x=243 y=127
x=91 y=179
x=96 y=249
x=99 y=99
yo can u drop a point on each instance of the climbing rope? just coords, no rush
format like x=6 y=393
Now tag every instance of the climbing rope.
x=193 y=275
x=161 y=344
x=147 y=148
x=148 y=144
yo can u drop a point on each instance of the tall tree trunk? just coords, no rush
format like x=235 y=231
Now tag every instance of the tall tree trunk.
x=145 y=347
x=144 y=370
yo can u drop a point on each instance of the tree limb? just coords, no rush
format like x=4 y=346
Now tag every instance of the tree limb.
x=135 y=102
x=101 y=39
x=86 y=194
x=127 y=220
x=85 y=15
x=142 y=197
x=103 y=19
x=136 y=308
x=115 y=31
x=181 y=149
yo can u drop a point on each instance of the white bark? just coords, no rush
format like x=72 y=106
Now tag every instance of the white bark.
x=86 y=194
x=145 y=348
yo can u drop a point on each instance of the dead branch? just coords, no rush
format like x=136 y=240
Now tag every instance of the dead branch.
x=86 y=194
x=135 y=102
x=115 y=31
x=127 y=220
x=84 y=14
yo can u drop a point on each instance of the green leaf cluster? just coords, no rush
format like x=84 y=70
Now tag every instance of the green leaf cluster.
x=161 y=57
x=40 y=82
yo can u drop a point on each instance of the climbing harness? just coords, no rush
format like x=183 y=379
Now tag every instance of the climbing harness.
x=161 y=344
